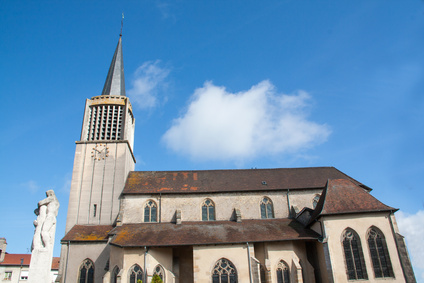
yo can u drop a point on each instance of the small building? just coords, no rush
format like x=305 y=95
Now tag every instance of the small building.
x=14 y=268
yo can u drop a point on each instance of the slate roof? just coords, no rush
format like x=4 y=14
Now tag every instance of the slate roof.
x=208 y=181
x=209 y=232
x=88 y=233
x=15 y=260
x=342 y=196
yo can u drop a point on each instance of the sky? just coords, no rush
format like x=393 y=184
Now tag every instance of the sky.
x=217 y=85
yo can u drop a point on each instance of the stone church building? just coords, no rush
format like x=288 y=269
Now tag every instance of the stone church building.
x=214 y=226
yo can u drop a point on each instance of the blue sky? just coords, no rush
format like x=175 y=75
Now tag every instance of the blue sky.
x=216 y=85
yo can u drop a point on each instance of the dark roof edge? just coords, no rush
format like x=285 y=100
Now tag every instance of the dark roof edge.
x=310 y=238
x=214 y=191
x=247 y=169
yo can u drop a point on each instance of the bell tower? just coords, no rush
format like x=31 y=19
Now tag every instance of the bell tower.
x=104 y=154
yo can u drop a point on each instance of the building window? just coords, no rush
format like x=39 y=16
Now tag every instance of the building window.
x=283 y=273
x=354 y=258
x=208 y=210
x=379 y=254
x=136 y=273
x=267 y=210
x=159 y=271
x=315 y=201
x=150 y=211
x=24 y=274
x=86 y=272
x=115 y=273
x=224 y=271
x=8 y=275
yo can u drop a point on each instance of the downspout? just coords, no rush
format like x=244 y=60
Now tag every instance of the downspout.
x=249 y=260
x=160 y=207
x=145 y=257
x=67 y=260
x=288 y=202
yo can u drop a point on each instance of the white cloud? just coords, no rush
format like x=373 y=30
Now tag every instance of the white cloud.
x=219 y=125
x=31 y=185
x=148 y=81
x=412 y=227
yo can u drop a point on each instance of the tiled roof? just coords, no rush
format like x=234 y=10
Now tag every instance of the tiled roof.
x=343 y=196
x=209 y=232
x=207 y=181
x=15 y=259
x=88 y=233
x=56 y=263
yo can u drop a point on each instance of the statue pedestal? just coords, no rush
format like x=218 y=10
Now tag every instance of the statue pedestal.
x=40 y=266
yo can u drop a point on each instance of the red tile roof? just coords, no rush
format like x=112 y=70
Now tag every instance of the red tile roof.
x=343 y=196
x=209 y=232
x=15 y=259
x=56 y=263
x=207 y=181
x=88 y=233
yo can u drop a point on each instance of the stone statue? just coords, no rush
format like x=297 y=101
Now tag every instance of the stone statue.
x=43 y=240
x=46 y=220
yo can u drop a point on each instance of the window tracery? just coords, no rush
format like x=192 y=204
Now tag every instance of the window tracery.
x=224 y=272
x=150 y=211
x=379 y=254
x=267 y=209
x=86 y=272
x=160 y=272
x=136 y=273
x=208 y=210
x=315 y=201
x=354 y=258
x=283 y=273
x=115 y=272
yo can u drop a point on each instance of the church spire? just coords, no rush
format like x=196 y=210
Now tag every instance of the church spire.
x=115 y=80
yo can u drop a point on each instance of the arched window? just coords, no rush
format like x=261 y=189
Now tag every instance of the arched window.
x=354 y=258
x=160 y=272
x=283 y=272
x=224 y=271
x=379 y=254
x=135 y=273
x=208 y=210
x=115 y=272
x=86 y=272
x=150 y=211
x=267 y=211
x=315 y=201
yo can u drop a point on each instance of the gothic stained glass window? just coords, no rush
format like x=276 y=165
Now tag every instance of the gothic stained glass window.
x=86 y=272
x=136 y=273
x=283 y=273
x=224 y=272
x=150 y=211
x=354 y=258
x=267 y=210
x=208 y=210
x=160 y=272
x=114 y=278
x=379 y=254
x=315 y=201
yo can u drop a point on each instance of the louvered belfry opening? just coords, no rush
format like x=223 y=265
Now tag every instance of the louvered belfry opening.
x=105 y=122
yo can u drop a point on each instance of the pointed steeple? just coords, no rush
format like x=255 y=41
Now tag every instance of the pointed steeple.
x=115 y=80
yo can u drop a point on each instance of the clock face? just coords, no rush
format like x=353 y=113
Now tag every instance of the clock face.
x=100 y=151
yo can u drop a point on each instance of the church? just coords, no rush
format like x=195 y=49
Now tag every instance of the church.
x=279 y=225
